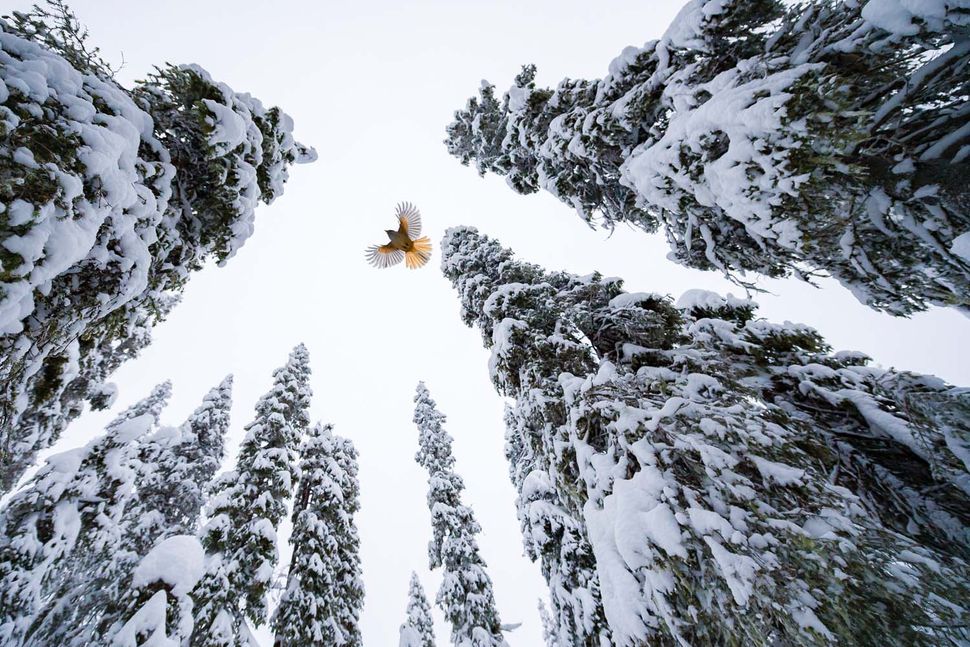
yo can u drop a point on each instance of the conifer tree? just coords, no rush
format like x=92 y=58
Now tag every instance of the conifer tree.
x=324 y=592
x=111 y=198
x=549 y=630
x=418 y=627
x=762 y=136
x=729 y=474
x=62 y=535
x=74 y=537
x=246 y=508
x=466 y=594
x=177 y=466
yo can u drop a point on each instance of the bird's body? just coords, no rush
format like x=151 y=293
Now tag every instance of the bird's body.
x=399 y=240
x=405 y=244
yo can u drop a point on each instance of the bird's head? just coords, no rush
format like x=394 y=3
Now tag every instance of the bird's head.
x=390 y=233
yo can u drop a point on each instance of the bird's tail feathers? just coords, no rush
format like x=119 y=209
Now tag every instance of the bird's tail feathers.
x=420 y=254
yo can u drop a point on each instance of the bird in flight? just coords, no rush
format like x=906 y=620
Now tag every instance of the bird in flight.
x=405 y=243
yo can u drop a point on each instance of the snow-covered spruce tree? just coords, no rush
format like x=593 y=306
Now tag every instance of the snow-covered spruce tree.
x=555 y=536
x=177 y=465
x=246 y=507
x=74 y=536
x=324 y=591
x=466 y=594
x=550 y=632
x=109 y=199
x=737 y=482
x=62 y=534
x=778 y=138
x=418 y=627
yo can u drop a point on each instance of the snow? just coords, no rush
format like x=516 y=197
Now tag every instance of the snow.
x=632 y=299
x=621 y=62
x=777 y=472
x=705 y=522
x=807 y=619
x=66 y=462
x=737 y=570
x=518 y=98
x=626 y=606
x=907 y=17
x=686 y=28
x=177 y=561
x=228 y=128
x=961 y=246
x=148 y=620
x=641 y=514
x=410 y=637
x=750 y=115
x=707 y=300
x=132 y=428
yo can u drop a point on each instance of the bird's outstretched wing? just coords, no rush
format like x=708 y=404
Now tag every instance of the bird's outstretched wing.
x=409 y=219
x=383 y=256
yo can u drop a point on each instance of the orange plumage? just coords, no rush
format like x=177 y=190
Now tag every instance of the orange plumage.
x=406 y=243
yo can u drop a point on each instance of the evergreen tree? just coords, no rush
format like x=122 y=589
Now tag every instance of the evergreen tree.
x=554 y=535
x=783 y=139
x=465 y=595
x=177 y=466
x=729 y=474
x=324 y=592
x=62 y=535
x=549 y=630
x=418 y=627
x=246 y=508
x=74 y=537
x=111 y=198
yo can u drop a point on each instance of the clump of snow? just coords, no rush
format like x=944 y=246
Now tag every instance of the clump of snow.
x=148 y=621
x=707 y=300
x=778 y=472
x=961 y=246
x=177 y=561
x=907 y=17
x=630 y=299
x=686 y=28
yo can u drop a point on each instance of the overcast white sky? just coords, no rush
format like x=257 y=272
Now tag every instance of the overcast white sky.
x=372 y=86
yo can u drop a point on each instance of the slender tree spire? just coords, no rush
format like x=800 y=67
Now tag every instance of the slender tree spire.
x=549 y=629
x=247 y=506
x=465 y=595
x=418 y=627
x=324 y=593
x=177 y=465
